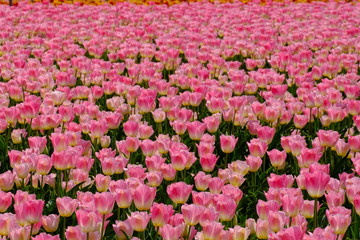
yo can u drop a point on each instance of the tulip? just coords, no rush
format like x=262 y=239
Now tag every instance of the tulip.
x=5 y=201
x=216 y=184
x=226 y=206
x=160 y=214
x=316 y=183
x=179 y=192
x=276 y=220
x=33 y=210
x=240 y=233
x=123 y=229
x=144 y=197
x=66 y=206
x=192 y=213
x=196 y=129
x=5 y=224
x=139 y=220
x=169 y=232
x=51 y=222
x=339 y=219
x=209 y=214
x=262 y=229
x=208 y=162
x=89 y=221
x=328 y=138
x=257 y=147
x=102 y=182
x=277 y=158
x=123 y=198
x=104 y=202
x=228 y=143
x=202 y=181
x=266 y=134
x=212 y=230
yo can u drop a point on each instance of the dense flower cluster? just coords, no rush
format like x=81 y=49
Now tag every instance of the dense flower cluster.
x=201 y=121
x=149 y=2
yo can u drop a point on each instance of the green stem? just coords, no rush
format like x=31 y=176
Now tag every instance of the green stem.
x=143 y=235
x=253 y=176
x=42 y=181
x=59 y=187
x=102 y=228
x=63 y=228
x=160 y=128
x=315 y=214
x=31 y=230
x=88 y=236
x=356 y=224
x=189 y=232
x=263 y=164
x=66 y=180
x=290 y=221
x=157 y=233
x=226 y=160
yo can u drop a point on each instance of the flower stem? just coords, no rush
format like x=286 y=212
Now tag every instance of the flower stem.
x=315 y=214
x=226 y=160
x=31 y=230
x=102 y=228
x=88 y=236
x=63 y=228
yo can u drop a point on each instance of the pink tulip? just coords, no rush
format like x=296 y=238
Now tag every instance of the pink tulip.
x=339 y=219
x=228 y=143
x=316 y=183
x=208 y=215
x=66 y=206
x=123 y=197
x=277 y=158
x=196 y=129
x=202 y=181
x=104 y=202
x=6 y=221
x=208 y=162
x=179 y=192
x=102 y=182
x=144 y=197
x=328 y=138
x=226 y=206
x=5 y=201
x=89 y=221
x=263 y=208
x=123 y=227
x=6 y=181
x=169 y=232
x=216 y=184
x=33 y=210
x=51 y=222
x=212 y=230
x=257 y=147
x=253 y=162
x=160 y=214
x=334 y=199
x=276 y=220
x=192 y=213
x=131 y=128
x=266 y=134
x=262 y=229
x=139 y=220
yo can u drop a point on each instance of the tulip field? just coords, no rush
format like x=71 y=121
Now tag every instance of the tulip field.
x=198 y=120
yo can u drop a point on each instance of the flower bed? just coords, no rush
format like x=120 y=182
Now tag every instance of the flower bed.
x=205 y=121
